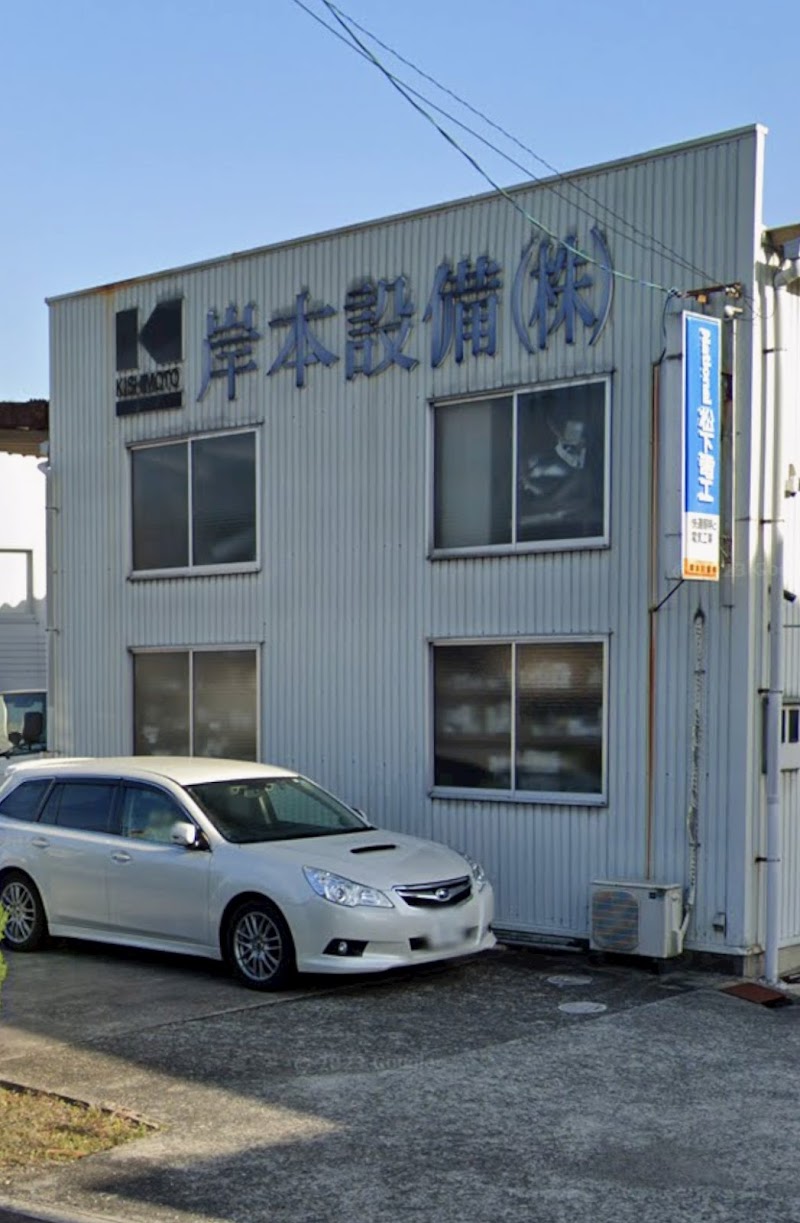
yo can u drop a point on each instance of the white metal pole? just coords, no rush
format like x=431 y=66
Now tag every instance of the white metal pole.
x=775 y=690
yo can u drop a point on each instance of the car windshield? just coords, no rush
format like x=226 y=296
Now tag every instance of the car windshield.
x=273 y=809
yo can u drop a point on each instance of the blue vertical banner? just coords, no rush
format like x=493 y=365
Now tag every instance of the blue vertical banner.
x=702 y=427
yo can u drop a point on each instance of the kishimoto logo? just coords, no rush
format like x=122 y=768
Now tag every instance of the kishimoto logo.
x=149 y=359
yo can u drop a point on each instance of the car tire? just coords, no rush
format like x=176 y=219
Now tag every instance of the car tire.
x=26 y=924
x=258 y=946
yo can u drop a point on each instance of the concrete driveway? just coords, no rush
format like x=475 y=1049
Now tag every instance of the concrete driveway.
x=461 y=1092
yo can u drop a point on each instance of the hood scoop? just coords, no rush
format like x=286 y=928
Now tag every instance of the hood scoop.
x=371 y=849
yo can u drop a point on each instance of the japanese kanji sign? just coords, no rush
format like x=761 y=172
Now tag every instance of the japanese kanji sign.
x=378 y=323
x=701 y=447
x=557 y=287
x=463 y=307
x=228 y=347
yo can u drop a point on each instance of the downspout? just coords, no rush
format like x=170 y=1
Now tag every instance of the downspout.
x=783 y=277
x=655 y=426
x=653 y=603
x=693 y=808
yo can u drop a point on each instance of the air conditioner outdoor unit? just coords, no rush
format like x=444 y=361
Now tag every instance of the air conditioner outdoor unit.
x=636 y=918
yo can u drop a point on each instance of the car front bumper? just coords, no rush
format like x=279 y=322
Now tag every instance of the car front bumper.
x=390 y=938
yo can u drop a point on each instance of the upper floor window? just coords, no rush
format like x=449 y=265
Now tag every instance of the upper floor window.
x=194 y=503
x=526 y=471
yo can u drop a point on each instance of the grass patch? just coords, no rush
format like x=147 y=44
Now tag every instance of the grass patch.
x=37 y=1128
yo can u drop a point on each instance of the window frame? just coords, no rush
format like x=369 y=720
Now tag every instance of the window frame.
x=521 y=547
x=190 y=570
x=25 y=611
x=561 y=798
x=229 y=647
x=790 y=735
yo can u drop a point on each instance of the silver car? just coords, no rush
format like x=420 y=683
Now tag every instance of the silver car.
x=247 y=863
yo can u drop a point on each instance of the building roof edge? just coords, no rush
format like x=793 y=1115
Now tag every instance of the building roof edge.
x=753 y=129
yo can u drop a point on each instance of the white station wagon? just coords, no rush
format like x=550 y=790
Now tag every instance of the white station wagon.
x=247 y=863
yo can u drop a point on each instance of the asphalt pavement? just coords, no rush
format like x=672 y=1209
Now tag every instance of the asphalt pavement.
x=516 y=1086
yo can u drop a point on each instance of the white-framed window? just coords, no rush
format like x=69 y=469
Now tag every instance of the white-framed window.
x=521 y=718
x=522 y=471
x=790 y=735
x=16 y=583
x=194 y=504
x=196 y=702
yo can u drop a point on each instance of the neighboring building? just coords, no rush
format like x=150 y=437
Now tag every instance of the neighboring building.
x=23 y=426
x=23 y=637
x=23 y=634
x=400 y=505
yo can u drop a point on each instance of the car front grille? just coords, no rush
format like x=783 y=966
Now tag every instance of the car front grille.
x=438 y=895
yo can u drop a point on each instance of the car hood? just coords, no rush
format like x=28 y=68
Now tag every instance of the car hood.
x=377 y=858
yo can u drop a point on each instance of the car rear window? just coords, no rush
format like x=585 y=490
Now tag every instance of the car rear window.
x=24 y=802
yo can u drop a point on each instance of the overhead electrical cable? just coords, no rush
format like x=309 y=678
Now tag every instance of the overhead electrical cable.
x=526 y=170
x=649 y=240
x=538 y=224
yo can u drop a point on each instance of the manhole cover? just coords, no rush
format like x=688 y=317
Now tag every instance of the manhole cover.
x=582 y=1008
x=565 y=982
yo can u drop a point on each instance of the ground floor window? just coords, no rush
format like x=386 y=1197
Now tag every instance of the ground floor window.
x=196 y=703
x=520 y=716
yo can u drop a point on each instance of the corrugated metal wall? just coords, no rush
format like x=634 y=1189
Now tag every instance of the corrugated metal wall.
x=346 y=601
x=787 y=338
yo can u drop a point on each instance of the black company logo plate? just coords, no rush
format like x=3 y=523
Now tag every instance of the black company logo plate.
x=161 y=340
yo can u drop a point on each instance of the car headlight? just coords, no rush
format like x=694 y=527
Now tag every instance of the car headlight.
x=341 y=891
x=478 y=873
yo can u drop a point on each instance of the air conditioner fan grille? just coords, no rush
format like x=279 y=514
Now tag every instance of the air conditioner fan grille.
x=615 y=920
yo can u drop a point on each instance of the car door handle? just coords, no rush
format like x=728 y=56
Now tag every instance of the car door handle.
x=40 y=842
x=121 y=856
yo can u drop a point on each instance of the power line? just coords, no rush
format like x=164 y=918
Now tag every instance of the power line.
x=649 y=238
x=526 y=170
x=538 y=224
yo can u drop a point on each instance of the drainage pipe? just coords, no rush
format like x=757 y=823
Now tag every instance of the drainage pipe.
x=775 y=688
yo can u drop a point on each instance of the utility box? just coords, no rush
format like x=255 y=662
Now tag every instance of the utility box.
x=636 y=918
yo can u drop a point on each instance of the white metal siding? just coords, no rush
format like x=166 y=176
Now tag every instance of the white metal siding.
x=789 y=340
x=347 y=601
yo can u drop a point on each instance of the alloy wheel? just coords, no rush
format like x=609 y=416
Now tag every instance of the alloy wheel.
x=20 y=906
x=257 y=946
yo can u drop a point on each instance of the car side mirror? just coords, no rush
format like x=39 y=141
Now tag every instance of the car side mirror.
x=187 y=834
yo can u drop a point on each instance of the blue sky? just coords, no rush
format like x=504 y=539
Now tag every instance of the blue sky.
x=148 y=135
